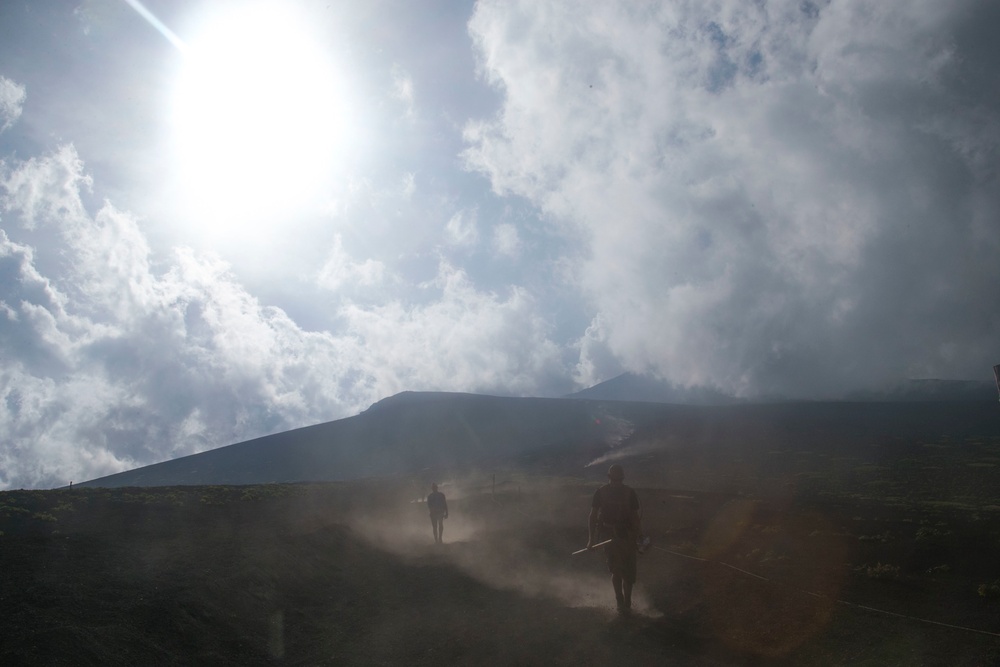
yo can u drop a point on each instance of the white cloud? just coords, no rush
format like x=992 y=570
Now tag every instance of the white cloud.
x=462 y=340
x=409 y=185
x=462 y=228
x=45 y=189
x=12 y=96
x=596 y=361
x=506 y=240
x=403 y=90
x=340 y=271
x=115 y=361
x=778 y=197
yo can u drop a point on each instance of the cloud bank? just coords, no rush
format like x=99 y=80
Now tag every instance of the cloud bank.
x=113 y=361
x=789 y=197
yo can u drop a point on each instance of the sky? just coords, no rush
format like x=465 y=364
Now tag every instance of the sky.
x=220 y=220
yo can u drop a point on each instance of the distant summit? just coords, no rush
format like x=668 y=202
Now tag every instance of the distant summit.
x=643 y=388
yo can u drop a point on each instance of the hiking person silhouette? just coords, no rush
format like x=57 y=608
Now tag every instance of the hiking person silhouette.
x=614 y=515
x=438 y=507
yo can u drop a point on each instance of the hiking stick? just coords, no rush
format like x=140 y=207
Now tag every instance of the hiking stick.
x=599 y=544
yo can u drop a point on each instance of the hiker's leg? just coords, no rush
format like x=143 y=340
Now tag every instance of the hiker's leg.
x=616 y=582
x=441 y=530
x=628 y=576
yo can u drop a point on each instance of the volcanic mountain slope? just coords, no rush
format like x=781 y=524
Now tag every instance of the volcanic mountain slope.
x=405 y=433
x=436 y=432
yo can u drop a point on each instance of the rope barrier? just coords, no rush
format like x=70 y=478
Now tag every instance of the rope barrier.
x=826 y=597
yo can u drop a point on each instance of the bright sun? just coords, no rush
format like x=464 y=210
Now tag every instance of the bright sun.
x=258 y=116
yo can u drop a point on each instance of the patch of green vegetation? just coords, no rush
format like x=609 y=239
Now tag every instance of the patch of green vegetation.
x=820 y=533
x=213 y=499
x=264 y=491
x=882 y=538
x=43 y=516
x=950 y=504
x=928 y=534
x=9 y=510
x=175 y=498
x=139 y=498
x=883 y=571
x=990 y=591
x=939 y=569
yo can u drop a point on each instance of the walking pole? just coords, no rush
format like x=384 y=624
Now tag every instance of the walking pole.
x=599 y=544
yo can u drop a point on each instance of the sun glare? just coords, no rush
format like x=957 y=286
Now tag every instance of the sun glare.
x=259 y=117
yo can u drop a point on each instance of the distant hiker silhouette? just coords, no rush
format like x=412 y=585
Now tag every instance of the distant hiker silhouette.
x=614 y=515
x=438 y=507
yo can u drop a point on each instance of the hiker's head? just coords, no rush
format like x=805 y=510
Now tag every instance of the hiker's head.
x=616 y=473
x=434 y=486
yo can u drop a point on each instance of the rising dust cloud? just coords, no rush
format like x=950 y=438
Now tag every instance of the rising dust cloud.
x=518 y=539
